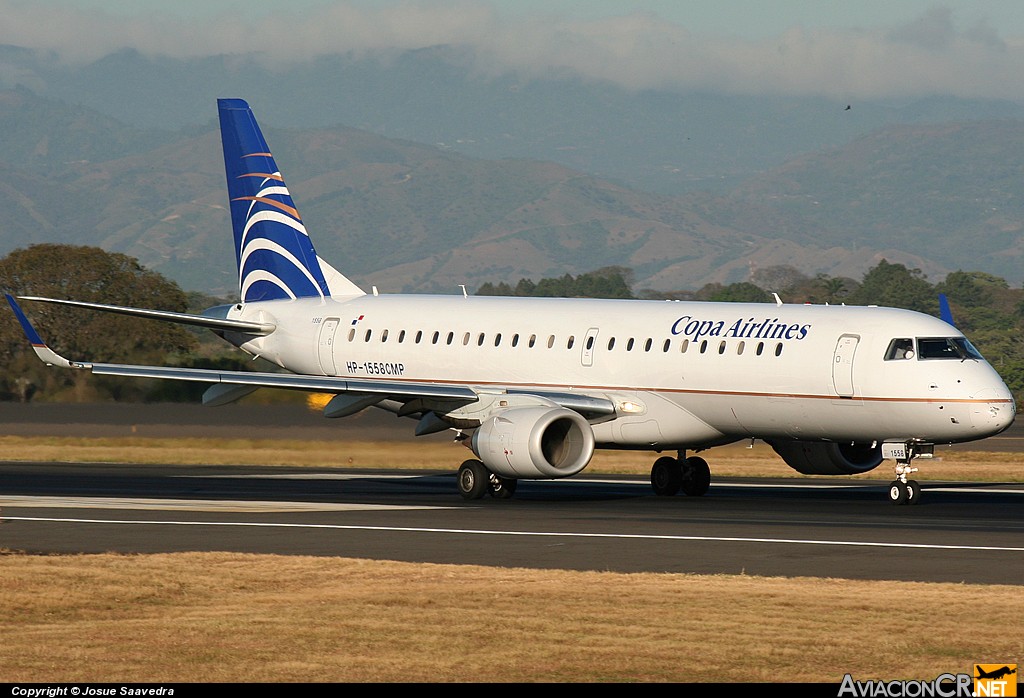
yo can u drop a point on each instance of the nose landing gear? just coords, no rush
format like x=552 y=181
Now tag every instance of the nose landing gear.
x=903 y=490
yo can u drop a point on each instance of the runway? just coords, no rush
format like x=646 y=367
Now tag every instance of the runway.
x=971 y=533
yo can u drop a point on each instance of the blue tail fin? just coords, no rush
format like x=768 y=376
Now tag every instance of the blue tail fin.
x=944 y=312
x=275 y=256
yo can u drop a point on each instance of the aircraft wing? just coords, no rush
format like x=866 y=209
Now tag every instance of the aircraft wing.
x=210 y=323
x=230 y=380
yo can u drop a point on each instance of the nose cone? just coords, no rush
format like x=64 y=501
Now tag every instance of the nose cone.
x=994 y=410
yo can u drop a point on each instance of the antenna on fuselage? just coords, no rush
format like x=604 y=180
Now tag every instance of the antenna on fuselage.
x=463 y=287
x=778 y=301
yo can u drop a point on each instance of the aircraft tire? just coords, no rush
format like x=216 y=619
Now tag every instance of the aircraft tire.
x=898 y=493
x=666 y=476
x=503 y=487
x=913 y=492
x=473 y=480
x=696 y=477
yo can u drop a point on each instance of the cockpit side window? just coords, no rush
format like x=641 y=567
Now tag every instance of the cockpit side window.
x=900 y=349
x=947 y=348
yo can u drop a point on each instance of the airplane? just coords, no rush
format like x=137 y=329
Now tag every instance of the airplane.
x=995 y=674
x=534 y=385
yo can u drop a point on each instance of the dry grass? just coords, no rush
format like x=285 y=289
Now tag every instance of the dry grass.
x=227 y=617
x=734 y=460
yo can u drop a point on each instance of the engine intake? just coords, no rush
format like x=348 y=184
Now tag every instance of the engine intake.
x=538 y=442
x=823 y=458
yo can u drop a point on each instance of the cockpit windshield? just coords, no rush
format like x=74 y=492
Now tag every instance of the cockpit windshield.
x=931 y=348
x=946 y=348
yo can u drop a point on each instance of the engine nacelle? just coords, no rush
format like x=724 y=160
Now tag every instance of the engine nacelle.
x=822 y=458
x=537 y=442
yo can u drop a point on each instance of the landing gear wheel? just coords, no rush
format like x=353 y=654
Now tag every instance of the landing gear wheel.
x=913 y=492
x=898 y=492
x=502 y=487
x=666 y=476
x=474 y=480
x=696 y=477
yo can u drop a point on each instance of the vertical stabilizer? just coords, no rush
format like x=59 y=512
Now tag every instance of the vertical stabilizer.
x=275 y=256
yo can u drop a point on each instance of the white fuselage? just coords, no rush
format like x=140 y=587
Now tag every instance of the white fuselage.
x=682 y=374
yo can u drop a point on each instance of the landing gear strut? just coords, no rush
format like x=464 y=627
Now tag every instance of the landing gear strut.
x=903 y=490
x=691 y=475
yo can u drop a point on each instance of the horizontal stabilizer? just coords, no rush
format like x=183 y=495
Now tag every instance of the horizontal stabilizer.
x=210 y=323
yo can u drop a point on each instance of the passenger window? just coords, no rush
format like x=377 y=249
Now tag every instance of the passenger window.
x=739 y=348
x=760 y=348
x=352 y=334
x=465 y=340
x=611 y=343
x=683 y=346
x=551 y=341
x=590 y=343
x=666 y=346
x=629 y=344
x=384 y=336
x=367 y=337
x=703 y=346
x=419 y=336
x=401 y=336
x=721 y=347
x=437 y=335
x=533 y=340
x=480 y=340
x=568 y=344
x=515 y=340
x=451 y=336
x=648 y=344
x=778 y=349
x=900 y=349
x=497 y=339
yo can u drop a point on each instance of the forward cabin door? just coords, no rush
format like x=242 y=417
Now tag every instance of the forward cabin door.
x=842 y=365
x=326 y=346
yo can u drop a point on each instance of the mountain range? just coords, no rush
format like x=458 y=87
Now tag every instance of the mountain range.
x=529 y=179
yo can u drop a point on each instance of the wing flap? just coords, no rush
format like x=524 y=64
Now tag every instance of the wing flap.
x=290 y=381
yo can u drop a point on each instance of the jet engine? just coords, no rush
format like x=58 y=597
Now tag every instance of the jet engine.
x=823 y=458
x=534 y=442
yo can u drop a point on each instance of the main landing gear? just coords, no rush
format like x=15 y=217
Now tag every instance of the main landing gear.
x=691 y=475
x=475 y=481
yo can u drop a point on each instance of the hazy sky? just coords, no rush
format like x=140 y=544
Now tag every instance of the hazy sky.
x=848 y=49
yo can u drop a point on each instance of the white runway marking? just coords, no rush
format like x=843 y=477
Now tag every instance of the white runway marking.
x=540 y=534
x=234 y=506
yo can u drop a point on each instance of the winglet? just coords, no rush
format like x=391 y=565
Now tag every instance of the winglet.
x=944 y=311
x=47 y=355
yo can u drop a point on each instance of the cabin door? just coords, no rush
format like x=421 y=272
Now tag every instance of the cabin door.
x=326 y=346
x=842 y=364
x=589 y=342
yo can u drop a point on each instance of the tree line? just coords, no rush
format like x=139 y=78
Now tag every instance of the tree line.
x=984 y=307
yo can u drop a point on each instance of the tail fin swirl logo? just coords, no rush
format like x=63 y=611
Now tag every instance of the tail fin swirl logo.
x=275 y=256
